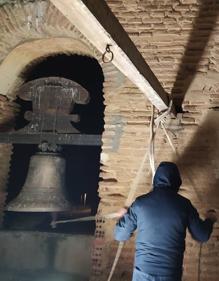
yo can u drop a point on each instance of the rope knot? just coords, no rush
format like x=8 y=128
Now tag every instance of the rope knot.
x=162 y=117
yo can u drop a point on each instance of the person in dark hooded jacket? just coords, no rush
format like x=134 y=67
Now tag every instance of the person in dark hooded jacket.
x=161 y=218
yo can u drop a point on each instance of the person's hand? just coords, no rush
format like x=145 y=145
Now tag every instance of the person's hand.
x=211 y=215
x=120 y=213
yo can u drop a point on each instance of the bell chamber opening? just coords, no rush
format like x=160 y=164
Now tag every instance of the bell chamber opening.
x=56 y=181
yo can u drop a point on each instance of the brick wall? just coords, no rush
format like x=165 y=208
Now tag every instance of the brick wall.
x=179 y=40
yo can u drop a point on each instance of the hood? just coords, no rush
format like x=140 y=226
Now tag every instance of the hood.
x=167 y=176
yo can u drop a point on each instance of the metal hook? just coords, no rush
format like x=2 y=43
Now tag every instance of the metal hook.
x=108 y=51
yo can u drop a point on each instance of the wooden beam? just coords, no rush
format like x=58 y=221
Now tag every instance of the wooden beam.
x=63 y=139
x=94 y=19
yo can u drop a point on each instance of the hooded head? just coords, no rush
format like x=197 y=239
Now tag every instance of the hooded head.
x=167 y=176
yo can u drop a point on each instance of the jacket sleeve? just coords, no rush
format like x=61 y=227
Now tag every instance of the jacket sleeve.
x=126 y=225
x=200 y=229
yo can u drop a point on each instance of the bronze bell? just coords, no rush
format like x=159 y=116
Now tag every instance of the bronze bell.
x=43 y=188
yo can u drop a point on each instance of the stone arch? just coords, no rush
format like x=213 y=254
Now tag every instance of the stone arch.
x=29 y=52
x=18 y=31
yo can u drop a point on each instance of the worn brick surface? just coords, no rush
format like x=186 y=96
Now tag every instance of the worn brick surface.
x=180 y=42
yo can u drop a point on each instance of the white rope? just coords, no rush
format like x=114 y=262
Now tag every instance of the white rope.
x=162 y=125
x=133 y=189
x=163 y=116
x=118 y=253
x=89 y=218
x=159 y=122
x=151 y=146
x=135 y=183
x=136 y=180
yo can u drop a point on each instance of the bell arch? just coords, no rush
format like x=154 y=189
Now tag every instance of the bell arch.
x=24 y=55
x=29 y=52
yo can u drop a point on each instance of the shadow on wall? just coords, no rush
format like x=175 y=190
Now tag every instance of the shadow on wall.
x=202 y=28
x=200 y=162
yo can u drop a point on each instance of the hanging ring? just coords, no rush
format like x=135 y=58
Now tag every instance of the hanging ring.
x=108 y=51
